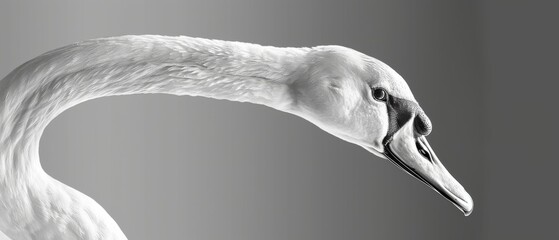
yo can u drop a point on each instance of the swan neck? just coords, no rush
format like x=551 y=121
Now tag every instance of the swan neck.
x=39 y=90
x=36 y=92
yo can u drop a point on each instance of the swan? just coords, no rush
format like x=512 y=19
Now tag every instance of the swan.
x=346 y=93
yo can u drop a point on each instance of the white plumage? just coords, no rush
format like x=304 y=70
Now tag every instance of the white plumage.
x=328 y=85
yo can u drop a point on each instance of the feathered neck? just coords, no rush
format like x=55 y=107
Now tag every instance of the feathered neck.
x=36 y=92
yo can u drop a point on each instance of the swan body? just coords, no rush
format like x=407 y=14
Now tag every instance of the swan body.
x=346 y=93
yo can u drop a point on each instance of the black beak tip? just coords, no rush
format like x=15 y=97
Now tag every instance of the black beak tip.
x=469 y=210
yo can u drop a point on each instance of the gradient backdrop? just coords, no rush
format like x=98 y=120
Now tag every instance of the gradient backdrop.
x=168 y=167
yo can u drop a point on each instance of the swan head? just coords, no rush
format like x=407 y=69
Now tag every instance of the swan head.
x=363 y=101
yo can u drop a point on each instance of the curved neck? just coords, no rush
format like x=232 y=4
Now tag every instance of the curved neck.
x=36 y=92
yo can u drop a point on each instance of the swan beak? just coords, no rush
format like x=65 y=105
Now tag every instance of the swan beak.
x=413 y=154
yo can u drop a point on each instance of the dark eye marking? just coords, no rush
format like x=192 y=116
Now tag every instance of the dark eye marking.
x=379 y=94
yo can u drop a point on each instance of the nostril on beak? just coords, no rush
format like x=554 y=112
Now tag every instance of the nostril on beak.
x=422 y=124
x=423 y=151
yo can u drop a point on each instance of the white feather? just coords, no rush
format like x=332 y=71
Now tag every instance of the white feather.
x=35 y=206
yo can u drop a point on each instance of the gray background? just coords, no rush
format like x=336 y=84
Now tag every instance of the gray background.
x=169 y=167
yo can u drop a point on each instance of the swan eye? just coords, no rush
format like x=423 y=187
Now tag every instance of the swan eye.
x=379 y=94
